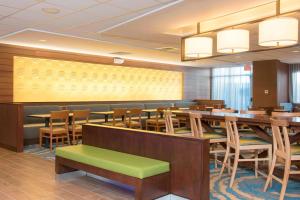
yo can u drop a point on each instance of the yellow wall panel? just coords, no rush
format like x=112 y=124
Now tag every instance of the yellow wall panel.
x=46 y=80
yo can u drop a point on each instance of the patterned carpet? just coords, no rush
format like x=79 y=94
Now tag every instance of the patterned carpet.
x=246 y=186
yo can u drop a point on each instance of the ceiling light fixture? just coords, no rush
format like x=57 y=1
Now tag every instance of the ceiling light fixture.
x=233 y=41
x=51 y=10
x=278 y=31
x=198 y=47
x=42 y=40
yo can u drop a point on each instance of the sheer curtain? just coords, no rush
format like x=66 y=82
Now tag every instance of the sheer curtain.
x=233 y=85
x=295 y=83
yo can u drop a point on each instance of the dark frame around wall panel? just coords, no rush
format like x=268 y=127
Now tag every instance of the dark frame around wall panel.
x=7 y=53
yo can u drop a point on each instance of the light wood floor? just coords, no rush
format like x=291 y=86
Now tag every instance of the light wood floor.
x=27 y=177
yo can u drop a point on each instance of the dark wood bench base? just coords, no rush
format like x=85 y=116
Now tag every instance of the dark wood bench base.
x=149 y=188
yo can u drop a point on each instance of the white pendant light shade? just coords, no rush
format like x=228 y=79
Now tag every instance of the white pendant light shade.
x=233 y=41
x=198 y=47
x=279 y=31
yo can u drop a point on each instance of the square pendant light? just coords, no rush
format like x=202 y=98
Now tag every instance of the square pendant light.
x=198 y=47
x=278 y=31
x=233 y=41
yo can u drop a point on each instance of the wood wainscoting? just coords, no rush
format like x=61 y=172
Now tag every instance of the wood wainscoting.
x=189 y=157
x=11 y=126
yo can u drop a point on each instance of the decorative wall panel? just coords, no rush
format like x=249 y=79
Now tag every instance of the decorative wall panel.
x=47 y=80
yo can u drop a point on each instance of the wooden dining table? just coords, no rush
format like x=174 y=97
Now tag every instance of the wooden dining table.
x=46 y=118
x=255 y=122
x=147 y=111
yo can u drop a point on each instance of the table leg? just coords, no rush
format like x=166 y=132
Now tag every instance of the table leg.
x=47 y=124
x=261 y=133
x=149 y=115
x=206 y=126
x=106 y=118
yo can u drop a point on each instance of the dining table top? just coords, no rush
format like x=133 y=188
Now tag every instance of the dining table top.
x=249 y=118
x=43 y=116
x=152 y=110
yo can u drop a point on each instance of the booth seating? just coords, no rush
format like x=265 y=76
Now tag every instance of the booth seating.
x=141 y=172
x=32 y=125
x=155 y=164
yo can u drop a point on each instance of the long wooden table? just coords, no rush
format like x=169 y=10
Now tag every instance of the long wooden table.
x=255 y=122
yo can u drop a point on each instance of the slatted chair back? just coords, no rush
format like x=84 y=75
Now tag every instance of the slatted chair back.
x=194 y=107
x=233 y=138
x=134 y=112
x=169 y=122
x=62 y=116
x=281 y=141
x=119 y=113
x=81 y=115
x=196 y=125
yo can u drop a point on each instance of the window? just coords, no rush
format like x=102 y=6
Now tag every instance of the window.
x=233 y=85
x=295 y=82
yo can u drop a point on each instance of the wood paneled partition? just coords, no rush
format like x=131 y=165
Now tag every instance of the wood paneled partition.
x=11 y=126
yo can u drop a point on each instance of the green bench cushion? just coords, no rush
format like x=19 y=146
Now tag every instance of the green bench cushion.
x=123 y=163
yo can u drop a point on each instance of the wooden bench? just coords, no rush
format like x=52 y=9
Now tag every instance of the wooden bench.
x=150 y=177
x=188 y=160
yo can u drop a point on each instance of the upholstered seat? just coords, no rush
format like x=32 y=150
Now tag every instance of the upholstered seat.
x=123 y=163
x=56 y=130
x=295 y=149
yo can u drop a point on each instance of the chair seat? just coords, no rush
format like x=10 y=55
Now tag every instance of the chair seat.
x=123 y=163
x=252 y=141
x=55 y=130
x=154 y=121
x=77 y=127
x=117 y=124
x=182 y=130
x=213 y=136
x=295 y=149
x=133 y=123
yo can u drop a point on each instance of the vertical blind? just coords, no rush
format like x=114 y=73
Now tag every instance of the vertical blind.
x=233 y=85
x=295 y=83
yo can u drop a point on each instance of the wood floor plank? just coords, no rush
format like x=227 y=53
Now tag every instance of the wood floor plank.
x=28 y=177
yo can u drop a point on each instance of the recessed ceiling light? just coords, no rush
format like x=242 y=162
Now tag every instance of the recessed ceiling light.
x=43 y=40
x=296 y=51
x=51 y=10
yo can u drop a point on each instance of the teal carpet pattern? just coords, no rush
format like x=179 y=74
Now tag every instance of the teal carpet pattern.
x=245 y=187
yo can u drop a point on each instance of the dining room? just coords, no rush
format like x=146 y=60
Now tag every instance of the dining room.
x=149 y=99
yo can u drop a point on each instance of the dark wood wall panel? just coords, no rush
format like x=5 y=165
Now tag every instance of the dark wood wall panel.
x=271 y=75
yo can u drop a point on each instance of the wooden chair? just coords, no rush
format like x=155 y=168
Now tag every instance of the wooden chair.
x=134 y=118
x=159 y=122
x=118 y=113
x=79 y=117
x=58 y=128
x=170 y=128
x=194 y=107
x=215 y=138
x=239 y=145
x=182 y=119
x=284 y=154
x=284 y=115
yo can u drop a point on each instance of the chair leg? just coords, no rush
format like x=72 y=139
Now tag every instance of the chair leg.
x=235 y=164
x=41 y=138
x=225 y=160
x=285 y=179
x=50 y=143
x=256 y=163
x=270 y=173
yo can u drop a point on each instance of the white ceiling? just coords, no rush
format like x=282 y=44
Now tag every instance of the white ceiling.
x=101 y=27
